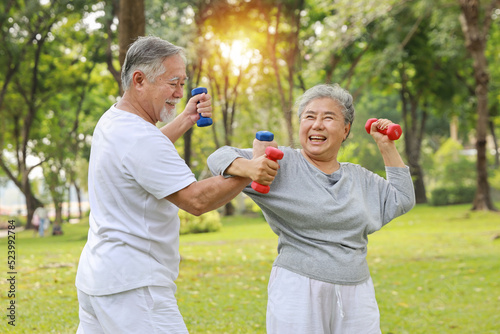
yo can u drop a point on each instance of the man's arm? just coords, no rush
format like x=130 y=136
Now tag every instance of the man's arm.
x=209 y=194
x=175 y=129
x=259 y=169
x=212 y=193
x=185 y=120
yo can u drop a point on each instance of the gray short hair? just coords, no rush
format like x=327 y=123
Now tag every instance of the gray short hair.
x=334 y=92
x=147 y=54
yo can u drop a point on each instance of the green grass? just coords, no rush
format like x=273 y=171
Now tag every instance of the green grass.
x=436 y=270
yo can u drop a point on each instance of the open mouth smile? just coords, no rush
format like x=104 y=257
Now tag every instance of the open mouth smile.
x=172 y=102
x=317 y=139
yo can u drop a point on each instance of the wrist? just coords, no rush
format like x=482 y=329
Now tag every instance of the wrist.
x=386 y=144
x=239 y=167
x=186 y=119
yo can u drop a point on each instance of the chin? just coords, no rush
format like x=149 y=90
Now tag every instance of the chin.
x=167 y=116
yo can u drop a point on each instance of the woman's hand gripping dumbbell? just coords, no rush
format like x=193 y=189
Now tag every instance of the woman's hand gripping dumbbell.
x=393 y=131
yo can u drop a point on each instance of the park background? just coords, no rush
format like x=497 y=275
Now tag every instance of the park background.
x=431 y=66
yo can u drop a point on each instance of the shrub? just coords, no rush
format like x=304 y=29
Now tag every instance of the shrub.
x=453 y=176
x=452 y=167
x=19 y=221
x=452 y=195
x=207 y=222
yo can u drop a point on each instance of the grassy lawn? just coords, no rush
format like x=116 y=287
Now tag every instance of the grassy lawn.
x=436 y=270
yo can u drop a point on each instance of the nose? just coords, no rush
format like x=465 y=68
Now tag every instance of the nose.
x=318 y=124
x=178 y=92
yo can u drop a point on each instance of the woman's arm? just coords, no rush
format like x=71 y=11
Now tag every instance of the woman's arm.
x=231 y=161
x=387 y=147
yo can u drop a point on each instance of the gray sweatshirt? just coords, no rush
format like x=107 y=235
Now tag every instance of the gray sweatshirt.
x=323 y=220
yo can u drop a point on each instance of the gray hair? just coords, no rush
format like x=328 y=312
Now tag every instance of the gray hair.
x=147 y=54
x=334 y=92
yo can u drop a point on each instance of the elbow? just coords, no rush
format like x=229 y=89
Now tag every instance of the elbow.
x=211 y=163
x=409 y=203
x=197 y=212
x=197 y=208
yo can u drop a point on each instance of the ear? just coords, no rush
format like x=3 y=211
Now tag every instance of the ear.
x=138 y=79
x=347 y=130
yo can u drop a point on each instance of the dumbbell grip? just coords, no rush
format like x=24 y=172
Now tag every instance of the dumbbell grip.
x=273 y=154
x=203 y=121
x=393 y=131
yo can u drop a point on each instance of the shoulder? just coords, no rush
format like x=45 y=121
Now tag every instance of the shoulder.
x=289 y=152
x=353 y=168
x=358 y=172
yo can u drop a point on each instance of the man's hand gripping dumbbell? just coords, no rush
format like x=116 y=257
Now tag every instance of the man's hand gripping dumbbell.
x=264 y=140
x=263 y=166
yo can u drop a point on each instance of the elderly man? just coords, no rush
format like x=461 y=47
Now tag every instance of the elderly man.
x=137 y=182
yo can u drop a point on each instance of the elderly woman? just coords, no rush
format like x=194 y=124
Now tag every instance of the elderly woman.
x=322 y=211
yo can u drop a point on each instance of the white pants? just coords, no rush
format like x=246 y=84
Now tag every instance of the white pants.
x=145 y=310
x=297 y=304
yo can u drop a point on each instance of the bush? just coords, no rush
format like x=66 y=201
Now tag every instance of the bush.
x=452 y=168
x=207 y=222
x=19 y=221
x=452 y=195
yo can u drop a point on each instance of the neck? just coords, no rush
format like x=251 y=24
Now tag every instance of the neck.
x=326 y=166
x=134 y=107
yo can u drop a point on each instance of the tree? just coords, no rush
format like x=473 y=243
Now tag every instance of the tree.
x=400 y=47
x=111 y=11
x=23 y=42
x=476 y=22
x=283 y=50
x=132 y=24
x=42 y=88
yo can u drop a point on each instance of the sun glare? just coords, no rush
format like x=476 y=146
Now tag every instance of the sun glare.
x=237 y=53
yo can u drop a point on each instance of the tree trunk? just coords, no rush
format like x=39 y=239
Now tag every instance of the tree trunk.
x=290 y=55
x=132 y=24
x=68 y=209
x=58 y=208
x=414 y=130
x=115 y=11
x=32 y=203
x=475 y=33
x=229 y=209
x=79 y=197
x=495 y=144
x=187 y=146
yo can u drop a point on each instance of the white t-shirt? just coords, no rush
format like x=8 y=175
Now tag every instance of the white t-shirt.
x=133 y=238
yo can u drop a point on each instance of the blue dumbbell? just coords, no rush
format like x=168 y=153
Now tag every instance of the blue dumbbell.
x=203 y=121
x=264 y=136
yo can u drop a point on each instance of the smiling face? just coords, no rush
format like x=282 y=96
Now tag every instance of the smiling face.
x=166 y=91
x=322 y=130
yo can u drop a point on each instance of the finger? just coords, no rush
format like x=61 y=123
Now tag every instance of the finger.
x=206 y=114
x=384 y=123
x=273 y=165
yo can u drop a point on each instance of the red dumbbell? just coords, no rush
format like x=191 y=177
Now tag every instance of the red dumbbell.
x=272 y=153
x=393 y=131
